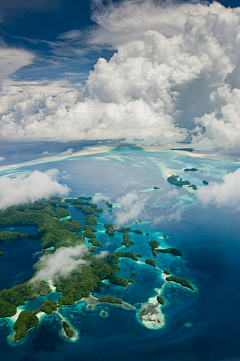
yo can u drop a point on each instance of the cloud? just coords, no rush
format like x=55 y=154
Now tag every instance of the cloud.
x=224 y=194
x=61 y=263
x=1 y=159
x=69 y=151
x=11 y=60
x=37 y=185
x=170 y=214
x=132 y=206
x=98 y=198
x=175 y=74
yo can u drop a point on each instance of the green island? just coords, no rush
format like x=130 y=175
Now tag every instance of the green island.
x=48 y=306
x=170 y=250
x=126 y=241
x=12 y=236
x=67 y=329
x=109 y=299
x=181 y=281
x=26 y=320
x=56 y=229
x=190 y=169
x=119 y=281
x=205 y=182
x=151 y=262
x=184 y=149
x=175 y=180
x=63 y=205
x=133 y=273
x=167 y=272
x=1 y=252
x=161 y=300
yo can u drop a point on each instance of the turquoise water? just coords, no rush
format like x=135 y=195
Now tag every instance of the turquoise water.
x=208 y=238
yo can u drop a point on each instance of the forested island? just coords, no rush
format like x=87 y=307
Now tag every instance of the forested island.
x=56 y=229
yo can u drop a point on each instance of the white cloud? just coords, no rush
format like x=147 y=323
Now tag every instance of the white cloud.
x=224 y=194
x=69 y=151
x=98 y=198
x=132 y=205
x=175 y=67
x=37 y=185
x=11 y=60
x=1 y=159
x=61 y=263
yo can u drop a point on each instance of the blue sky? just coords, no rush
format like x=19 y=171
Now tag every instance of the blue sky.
x=146 y=71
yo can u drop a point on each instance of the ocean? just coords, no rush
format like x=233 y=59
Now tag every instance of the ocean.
x=199 y=325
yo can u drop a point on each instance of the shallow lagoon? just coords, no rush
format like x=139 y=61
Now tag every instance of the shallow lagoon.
x=208 y=237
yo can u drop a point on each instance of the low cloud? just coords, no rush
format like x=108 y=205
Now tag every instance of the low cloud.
x=222 y=194
x=29 y=188
x=61 y=263
x=69 y=151
x=98 y=198
x=1 y=159
x=132 y=206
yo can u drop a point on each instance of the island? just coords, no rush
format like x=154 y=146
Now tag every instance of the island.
x=1 y=252
x=175 y=180
x=190 y=169
x=57 y=229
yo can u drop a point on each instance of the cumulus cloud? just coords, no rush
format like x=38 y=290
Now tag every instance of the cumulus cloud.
x=1 y=159
x=69 y=151
x=132 y=205
x=29 y=188
x=61 y=263
x=175 y=73
x=223 y=194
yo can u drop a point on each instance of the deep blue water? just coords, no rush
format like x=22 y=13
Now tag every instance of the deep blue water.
x=208 y=237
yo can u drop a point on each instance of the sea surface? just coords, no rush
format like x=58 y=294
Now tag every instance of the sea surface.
x=200 y=325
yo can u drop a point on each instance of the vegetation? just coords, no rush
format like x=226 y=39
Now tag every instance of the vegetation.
x=173 y=179
x=72 y=226
x=90 y=220
x=110 y=230
x=69 y=332
x=96 y=243
x=19 y=294
x=124 y=229
x=161 y=300
x=167 y=272
x=85 y=198
x=1 y=252
x=173 y=251
x=184 y=149
x=133 y=273
x=205 y=182
x=138 y=255
x=90 y=307
x=151 y=262
x=11 y=236
x=126 y=254
x=63 y=205
x=138 y=231
x=154 y=244
x=48 y=306
x=104 y=313
x=156 y=188
x=61 y=213
x=190 y=169
x=25 y=321
x=81 y=282
x=89 y=233
x=109 y=299
x=109 y=204
x=131 y=280
x=119 y=281
x=126 y=241
x=181 y=281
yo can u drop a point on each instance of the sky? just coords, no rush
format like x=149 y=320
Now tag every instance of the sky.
x=147 y=72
